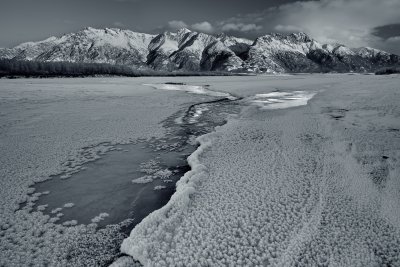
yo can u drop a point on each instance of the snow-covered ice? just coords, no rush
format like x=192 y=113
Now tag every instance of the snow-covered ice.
x=313 y=185
x=310 y=186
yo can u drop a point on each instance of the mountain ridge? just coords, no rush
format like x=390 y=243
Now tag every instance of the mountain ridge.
x=186 y=50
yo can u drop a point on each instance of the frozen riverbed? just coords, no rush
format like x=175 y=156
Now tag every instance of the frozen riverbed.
x=304 y=162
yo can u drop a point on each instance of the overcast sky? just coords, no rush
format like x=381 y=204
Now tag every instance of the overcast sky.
x=354 y=23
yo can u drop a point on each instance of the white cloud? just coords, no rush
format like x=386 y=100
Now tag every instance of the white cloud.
x=240 y=27
x=394 y=39
x=204 y=26
x=346 y=21
x=288 y=28
x=177 y=24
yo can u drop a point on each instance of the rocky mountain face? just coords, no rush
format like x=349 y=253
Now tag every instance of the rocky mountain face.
x=192 y=51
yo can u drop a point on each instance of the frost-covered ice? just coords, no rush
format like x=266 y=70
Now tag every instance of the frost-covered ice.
x=54 y=126
x=153 y=171
x=194 y=89
x=278 y=100
x=197 y=113
x=316 y=185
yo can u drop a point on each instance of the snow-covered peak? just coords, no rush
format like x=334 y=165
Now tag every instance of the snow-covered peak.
x=368 y=52
x=89 y=29
x=29 y=44
x=300 y=37
x=183 y=31
x=276 y=42
x=342 y=50
x=168 y=42
x=232 y=40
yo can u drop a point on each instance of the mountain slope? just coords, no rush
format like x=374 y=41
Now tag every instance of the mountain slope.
x=281 y=53
x=163 y=46
x=298 y=52
x=192 y=51
x=113 y=46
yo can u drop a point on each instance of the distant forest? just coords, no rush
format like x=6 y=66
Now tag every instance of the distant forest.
x=17 y=68
x=388 y=70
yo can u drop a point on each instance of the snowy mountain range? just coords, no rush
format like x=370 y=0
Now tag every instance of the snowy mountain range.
x=193 y=51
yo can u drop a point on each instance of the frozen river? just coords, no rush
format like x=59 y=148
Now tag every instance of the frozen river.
x=284 y=170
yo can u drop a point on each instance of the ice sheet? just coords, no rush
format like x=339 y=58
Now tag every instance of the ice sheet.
x=280 y=100
x=194 y=89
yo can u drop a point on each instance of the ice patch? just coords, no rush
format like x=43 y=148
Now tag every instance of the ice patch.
x=281 y=100
x=100 y=217
x=69 y=205
x=56 y=210
x=197 y=113
x=143 y=180
x=159 y=187
x=160 y=174
x=193 y=89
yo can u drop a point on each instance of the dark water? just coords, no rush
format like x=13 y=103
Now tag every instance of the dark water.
x=105 y=185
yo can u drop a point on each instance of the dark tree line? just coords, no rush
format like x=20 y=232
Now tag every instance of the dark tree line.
x=10 y=67
x=389 y=70
x=20 y=68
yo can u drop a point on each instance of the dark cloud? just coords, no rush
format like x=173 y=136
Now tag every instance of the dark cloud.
x=387 y=31
x=351 y=22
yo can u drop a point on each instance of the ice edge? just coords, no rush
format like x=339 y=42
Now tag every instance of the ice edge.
x=161 y=223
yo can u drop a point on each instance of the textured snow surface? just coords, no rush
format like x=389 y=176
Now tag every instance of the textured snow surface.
x=315 y=185
x=53 y=126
